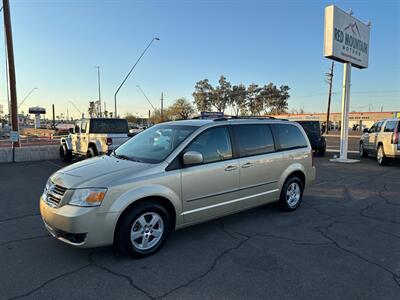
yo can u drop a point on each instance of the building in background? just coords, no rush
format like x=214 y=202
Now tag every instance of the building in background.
x=357 y=120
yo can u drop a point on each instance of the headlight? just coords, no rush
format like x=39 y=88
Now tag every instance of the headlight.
x=88 y=197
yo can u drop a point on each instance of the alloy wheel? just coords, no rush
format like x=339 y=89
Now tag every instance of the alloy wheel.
x=293 y=194
x=147 y=231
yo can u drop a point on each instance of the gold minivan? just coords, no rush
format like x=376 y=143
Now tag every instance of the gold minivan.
x=174 y=175
x=382 y=140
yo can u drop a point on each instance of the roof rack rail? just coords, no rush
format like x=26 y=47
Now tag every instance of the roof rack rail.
x=249 y=117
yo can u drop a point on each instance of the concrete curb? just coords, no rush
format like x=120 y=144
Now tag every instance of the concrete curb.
x=34 y=153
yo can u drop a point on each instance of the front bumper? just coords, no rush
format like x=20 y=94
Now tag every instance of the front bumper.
x=83 y=227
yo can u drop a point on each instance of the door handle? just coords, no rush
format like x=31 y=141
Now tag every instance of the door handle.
x=247 y=165
x=230 y=168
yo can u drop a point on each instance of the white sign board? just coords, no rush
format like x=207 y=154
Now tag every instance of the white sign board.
x=346 y=39
x=14 y=136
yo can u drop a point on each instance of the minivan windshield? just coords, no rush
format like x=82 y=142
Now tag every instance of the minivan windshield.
x=153 y=145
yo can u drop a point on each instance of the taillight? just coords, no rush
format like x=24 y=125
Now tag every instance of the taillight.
x=109 y=141
x=395 y=136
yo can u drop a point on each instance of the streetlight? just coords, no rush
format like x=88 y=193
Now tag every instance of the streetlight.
x=27 y=96
x=138 y=86
x=129 y=73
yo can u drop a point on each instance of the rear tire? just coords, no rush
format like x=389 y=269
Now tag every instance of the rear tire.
x=362 y=151
x=91 y=152
x=291 y=194
x=380 y=156
x=143 y=229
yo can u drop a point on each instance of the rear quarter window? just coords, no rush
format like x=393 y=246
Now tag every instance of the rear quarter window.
x=289 y=137
x=108 y=126
x=253 y=139
x=390 y=126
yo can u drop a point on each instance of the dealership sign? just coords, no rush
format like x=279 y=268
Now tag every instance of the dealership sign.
x=346 y=39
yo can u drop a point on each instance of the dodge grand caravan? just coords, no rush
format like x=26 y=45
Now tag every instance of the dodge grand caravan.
x=173 y=175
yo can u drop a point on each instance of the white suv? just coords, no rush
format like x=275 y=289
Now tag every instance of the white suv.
x=92 y=137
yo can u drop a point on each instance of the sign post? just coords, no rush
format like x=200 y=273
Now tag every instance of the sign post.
x=344 y=129
x=346 y=40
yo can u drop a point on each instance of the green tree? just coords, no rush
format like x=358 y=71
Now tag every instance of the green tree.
x=254 y=105
x=275 y=99
x=237 y=99
x=91 y=109
x=202 y=95
x=131 y=118
x=181 y=109
x=221 y=94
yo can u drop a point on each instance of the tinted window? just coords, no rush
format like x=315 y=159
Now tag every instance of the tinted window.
x=378 y=127
x=77 y=126
x=253 y=139
x=390 y=126
x=83 y=128
x=311 y=127
x=289 y=136
x=153 y=145
x=108 y=126
x=214 y=144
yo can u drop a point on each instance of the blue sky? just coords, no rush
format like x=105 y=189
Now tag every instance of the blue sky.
x=58 y=44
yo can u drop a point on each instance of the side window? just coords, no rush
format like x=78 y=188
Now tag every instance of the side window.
x=390 y=126
x=77 y=127
x=83 y=128
x=214 y=144
x=253 y=139
x=289 y=137
x=378 y=127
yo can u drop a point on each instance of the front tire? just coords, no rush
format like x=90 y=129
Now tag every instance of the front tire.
x=321 y=152
x=291 y=194
x=65 y=154
x=380 y=156
x=362 y=151
x=143 y=230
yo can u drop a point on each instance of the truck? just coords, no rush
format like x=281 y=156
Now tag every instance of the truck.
x=93 y=137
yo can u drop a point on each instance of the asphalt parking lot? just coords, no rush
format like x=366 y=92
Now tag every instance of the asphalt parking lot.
x=342 y=243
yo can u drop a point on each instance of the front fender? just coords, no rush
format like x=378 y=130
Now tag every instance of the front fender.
x=152 y=190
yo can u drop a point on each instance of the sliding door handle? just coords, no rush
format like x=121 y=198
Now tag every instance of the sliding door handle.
x=230 y=168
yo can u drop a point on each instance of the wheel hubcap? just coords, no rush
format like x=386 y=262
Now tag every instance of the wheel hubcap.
x=293 y=194
x=147 y=231
x=380 y=154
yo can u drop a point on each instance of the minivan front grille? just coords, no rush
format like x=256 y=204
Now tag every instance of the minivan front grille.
x=54 y=195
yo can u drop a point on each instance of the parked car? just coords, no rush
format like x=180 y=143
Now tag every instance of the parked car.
x=313 y=131
x=174 y=175
x=92 y=137
x=381 y=140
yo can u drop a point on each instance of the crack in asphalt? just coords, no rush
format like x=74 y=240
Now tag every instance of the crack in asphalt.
x=19 y=217
x=120 y=275
x=363 y=213
x=27 y=294
x=208 y=271
x=320 y=229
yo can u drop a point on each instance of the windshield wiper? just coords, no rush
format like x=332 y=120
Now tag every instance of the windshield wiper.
x=121 y=156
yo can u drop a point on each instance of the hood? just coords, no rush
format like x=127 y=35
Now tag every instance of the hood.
x=95 y=171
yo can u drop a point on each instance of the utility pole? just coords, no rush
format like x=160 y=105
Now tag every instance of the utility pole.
x=54 y=117
x=11 y=68
x=98 y=82
x=162 y=107
x=330 y=80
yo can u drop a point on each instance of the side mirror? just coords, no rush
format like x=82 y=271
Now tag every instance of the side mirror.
x=71 y=130
x=366 y=130
x=192 y=158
